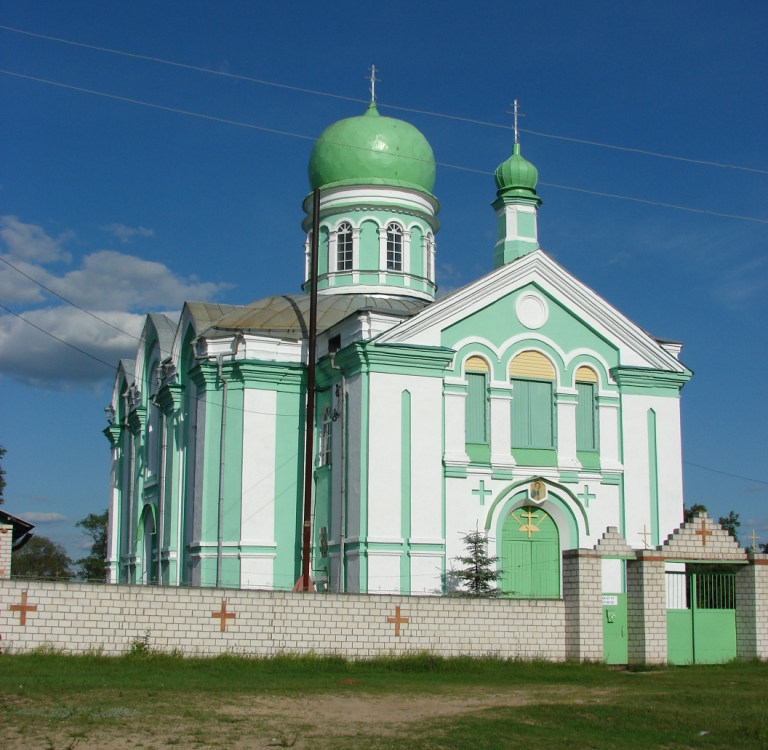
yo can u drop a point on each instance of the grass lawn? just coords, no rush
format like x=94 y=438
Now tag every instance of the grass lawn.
x=153 y=701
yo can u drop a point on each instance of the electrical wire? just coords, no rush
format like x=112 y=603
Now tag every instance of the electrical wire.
x=302 y=136
x=414 y=110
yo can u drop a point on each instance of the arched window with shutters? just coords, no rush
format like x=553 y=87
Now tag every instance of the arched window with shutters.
x=476 y=413
x=586 y=410
x=533 y=406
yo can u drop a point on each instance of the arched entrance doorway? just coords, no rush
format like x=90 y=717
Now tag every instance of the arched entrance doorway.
x=530 y=554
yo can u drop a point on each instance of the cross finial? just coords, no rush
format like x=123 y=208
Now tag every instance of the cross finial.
x=516 y=115
x=515 y=112
x=373 y=80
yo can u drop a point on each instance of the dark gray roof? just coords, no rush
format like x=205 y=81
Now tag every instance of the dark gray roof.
x=287 y=315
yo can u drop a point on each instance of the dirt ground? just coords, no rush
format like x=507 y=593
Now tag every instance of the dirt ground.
x=265 y=722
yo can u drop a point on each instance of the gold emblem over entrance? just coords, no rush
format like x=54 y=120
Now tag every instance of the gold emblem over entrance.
x=528 y=526
x=537 y=491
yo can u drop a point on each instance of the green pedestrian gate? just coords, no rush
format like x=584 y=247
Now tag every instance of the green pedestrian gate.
x=701 y=617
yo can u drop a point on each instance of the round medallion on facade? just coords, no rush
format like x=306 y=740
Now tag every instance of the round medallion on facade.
x=532 y=310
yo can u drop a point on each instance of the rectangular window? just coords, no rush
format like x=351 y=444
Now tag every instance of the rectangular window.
x=476 y=408
x=586 y=417
x=532 y=414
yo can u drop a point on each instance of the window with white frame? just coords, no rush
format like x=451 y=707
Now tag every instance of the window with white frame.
x=394 y=247
x=324 y=443
x=344 y=247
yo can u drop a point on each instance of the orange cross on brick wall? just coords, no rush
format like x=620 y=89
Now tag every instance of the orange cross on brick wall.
x=397 y=620
x=23 y=608
x=223 y=615
x=703 y=532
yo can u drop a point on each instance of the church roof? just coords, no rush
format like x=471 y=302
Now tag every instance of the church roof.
x=287 y=315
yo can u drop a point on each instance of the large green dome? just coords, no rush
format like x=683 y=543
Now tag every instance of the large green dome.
x=516 y=176
x=371 y=149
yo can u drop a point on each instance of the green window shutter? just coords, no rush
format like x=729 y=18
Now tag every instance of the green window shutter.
x=476 y=408
x=532 y=414
x=521 y=417
x=541 y=414
x=585 y=417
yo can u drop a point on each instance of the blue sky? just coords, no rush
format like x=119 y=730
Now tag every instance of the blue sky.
x=185 y=181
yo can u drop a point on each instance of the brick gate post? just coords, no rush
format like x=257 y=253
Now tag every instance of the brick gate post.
x=752 y=608
x=646 y=609
x=582 y=593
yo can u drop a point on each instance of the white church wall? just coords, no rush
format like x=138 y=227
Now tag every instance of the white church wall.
x=644 y=491
x=257 y=522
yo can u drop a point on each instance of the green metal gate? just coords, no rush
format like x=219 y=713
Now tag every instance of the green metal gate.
x=701 y=617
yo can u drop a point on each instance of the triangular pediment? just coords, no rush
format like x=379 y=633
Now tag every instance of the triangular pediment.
x=538 y=271
x=702 y=539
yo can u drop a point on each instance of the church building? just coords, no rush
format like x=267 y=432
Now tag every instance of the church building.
x=522 y=405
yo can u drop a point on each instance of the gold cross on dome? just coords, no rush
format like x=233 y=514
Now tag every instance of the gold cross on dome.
x=754 y=537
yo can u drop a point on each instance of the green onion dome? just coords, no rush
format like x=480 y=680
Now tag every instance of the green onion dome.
x=373 y=150
x=516 y=176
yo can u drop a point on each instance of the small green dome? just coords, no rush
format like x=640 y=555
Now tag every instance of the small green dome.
x=516 y=176
x=371 y=149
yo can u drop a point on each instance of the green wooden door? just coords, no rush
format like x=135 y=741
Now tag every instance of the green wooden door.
x=530 y=554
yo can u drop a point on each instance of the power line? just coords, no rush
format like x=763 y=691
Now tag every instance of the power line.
x=275 y=131
x=57 y=338
x=68 y=301
x=726 y=473
x=304 y=90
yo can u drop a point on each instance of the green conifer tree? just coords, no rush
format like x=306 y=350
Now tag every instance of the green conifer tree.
x=477 y=575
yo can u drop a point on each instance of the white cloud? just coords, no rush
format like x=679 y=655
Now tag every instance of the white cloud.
x=117 y=288
x=109 y=280
x=41 y=359
x=44 y=517
x=31 y=243
x=126 y=234
x=743 y=283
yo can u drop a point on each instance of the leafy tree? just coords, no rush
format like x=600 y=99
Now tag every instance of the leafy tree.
x=2 y=477
x=478 y=574
x=731 y=524
x=94 y=566
x=764 y=548
x=42 y=558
